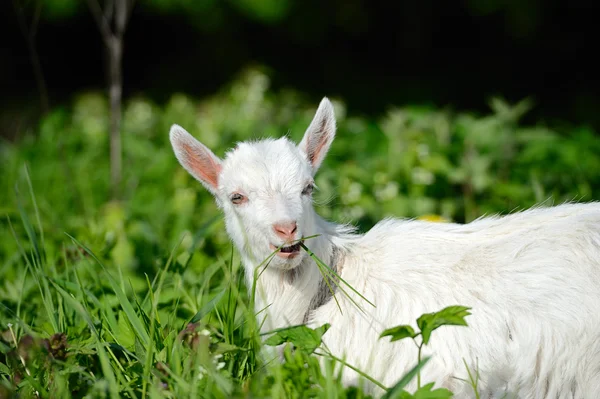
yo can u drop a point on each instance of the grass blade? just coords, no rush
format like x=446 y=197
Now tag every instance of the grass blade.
x=400 y=385
x=360 y=372
x=333 y=272
x=107 y=370
x=136 y=322
x=36 y=272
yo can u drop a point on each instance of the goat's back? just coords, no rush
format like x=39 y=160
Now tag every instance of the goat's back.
x=532 y=280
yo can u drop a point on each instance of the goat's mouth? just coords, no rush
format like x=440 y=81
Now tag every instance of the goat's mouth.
x=289 y=251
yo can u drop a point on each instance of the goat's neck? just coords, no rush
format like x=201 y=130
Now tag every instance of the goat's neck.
x=284 y=296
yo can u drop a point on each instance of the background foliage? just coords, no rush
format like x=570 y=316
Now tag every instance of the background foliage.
x=371 y=54
x=162 y=311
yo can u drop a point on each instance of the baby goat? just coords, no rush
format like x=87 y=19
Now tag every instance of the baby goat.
x=532 y=278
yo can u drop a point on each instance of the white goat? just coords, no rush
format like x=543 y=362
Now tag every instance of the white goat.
x=532 y=278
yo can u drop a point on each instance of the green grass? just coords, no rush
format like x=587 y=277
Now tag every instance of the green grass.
x=144 y=297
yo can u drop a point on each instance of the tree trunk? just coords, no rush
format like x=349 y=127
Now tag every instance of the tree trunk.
x=111 y=23
x=115 y=93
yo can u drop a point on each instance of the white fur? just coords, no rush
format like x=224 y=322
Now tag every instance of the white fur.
x=532 y=278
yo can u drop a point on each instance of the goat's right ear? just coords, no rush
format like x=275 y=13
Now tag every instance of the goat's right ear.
x=196 y=158
x=319 y=135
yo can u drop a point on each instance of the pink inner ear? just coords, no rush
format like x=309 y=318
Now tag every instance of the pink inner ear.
x=203 y=165
x=316 y=148
x=313 y=153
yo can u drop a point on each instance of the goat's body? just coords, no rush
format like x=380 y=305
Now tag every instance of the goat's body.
x=531 y=278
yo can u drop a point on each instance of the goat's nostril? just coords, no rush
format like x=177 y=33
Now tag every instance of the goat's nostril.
x=285 y=230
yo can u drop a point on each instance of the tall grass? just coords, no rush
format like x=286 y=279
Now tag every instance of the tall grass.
x=94 y=335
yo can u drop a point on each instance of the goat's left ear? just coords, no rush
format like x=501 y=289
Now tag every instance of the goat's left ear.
x=319 y=135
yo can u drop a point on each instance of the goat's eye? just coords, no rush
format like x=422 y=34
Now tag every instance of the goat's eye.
x=308 y=189
x=238 y=198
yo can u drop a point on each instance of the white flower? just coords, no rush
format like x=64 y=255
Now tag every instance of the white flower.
x=422 y=176
x=354 y=192
x=389 y=191
x=202 y=372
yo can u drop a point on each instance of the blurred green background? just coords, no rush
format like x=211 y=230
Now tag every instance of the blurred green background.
x=446 y=110
x=454 y=109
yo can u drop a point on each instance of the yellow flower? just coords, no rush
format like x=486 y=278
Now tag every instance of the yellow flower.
x=433 y=218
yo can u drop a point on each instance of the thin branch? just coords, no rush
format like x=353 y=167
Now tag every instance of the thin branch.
x=121 y=17
x=35 y=19
x=101 y=22
x=108 y=12
x=111 y=23
x=129 y=12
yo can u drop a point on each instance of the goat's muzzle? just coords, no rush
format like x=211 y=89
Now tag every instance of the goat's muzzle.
x=289 y=251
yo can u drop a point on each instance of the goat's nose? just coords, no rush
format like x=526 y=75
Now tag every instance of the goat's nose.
x=285 y=230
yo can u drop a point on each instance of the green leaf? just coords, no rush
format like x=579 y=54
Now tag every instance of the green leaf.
x=449 y=316
x=126 y=335
x=426 y=392
x=223 y=347
x=399 y=332
x=61 y=9
x=4 y=369
x=302 y=337
x=397 y=391
x=208 y=307
x=268 y=11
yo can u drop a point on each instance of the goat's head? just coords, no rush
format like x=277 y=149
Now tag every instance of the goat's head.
x=264 y=187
